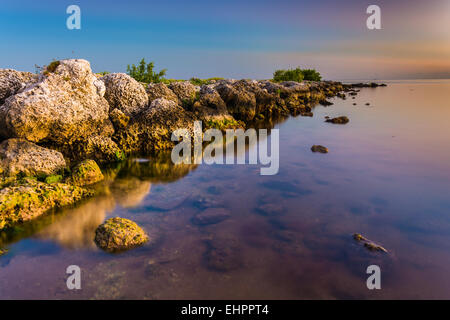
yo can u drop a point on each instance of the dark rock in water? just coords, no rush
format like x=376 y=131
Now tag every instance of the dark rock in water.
x=3 y=251
x=367 y=104
x=223 y=255
x=210 y=216
x=319 y=148
x=325 y=103
x=368 y=85
x=354 y=104
x=306 y=114
x=338 y=120
x=327 y=117
x=370 y=245
x=353 y=93
x=118 y=234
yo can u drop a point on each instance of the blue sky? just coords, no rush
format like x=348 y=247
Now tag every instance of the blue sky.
x=238 y=39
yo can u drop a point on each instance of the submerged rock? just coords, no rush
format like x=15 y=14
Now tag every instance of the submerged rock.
x=211 y=216
x=3 y=251
x=124 y=93
x=21 y=157
x=319 y=148
x=86 y=173
x=370 y=245
x=338 y=120
x=29 y=198
x=66 y=104
x=118 y=234
x=223 y=255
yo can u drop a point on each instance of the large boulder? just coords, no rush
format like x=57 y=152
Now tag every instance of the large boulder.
x=64 y=105
x=118 y=234
x=21 y=157
x=210 y=105
x=186 y=93
x=160 y=90
x=152 y=129
x=12 y=81
x=241 y=102
x=124 y=93
x=28 y=199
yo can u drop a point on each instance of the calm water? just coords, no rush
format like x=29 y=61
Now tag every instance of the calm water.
x=289 y=236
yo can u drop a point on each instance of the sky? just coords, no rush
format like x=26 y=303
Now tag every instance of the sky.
x=233 y=39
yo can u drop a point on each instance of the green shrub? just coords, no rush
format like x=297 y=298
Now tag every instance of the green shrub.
x=288 y=75
x=311 y=75
x=144 y=72
x=297 y=75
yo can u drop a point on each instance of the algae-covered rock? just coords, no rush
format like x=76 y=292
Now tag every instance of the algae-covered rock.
x=29 y=198
x=18 y=156
x=118 y=234
x=124 y=93
x=66 y=104
x=3 y=251
x=368 y=244
x=85 y=173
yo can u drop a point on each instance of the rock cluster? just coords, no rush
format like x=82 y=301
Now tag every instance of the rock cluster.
x=56 y=126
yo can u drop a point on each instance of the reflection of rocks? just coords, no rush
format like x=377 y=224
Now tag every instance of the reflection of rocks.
x=76 y=229
x=130 y=192
x=210 y=216
x=223 y=255
x=118 y=234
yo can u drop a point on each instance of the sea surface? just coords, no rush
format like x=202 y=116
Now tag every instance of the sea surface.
x=288 y=236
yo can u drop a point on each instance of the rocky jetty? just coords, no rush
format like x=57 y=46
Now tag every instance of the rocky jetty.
x=57 y=126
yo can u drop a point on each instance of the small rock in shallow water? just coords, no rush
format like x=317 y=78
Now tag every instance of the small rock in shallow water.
x=118 y=234
x=338 y=120
x=210 y=216
x=3 y=251
x=367 y=104
x=325 y=103
x=319 y=148
x=370 y=245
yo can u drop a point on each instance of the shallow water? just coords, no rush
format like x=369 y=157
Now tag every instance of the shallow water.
x=289 y=236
